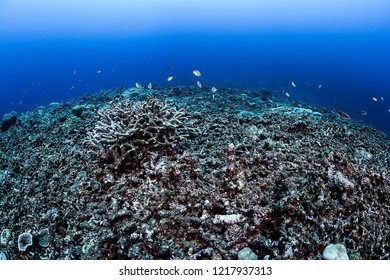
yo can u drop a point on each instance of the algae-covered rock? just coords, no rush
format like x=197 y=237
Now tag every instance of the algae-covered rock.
x=246 y=254
x=8 y=120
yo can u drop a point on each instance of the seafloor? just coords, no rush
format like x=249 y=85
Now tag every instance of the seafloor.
x=185 y=173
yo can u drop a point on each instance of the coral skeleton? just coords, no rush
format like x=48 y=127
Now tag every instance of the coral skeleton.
x=126 y=127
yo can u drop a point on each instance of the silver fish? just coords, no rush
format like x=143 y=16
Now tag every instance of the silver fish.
x=197 y=73
x=293 y=84
x=150 y=86
x=343 y=115
x=361 y=113
x=213 y=89
x=138 y=85
x=199 y=84
x=169 y=78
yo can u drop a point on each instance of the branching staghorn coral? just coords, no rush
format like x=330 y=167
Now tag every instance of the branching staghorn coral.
x=127 y=126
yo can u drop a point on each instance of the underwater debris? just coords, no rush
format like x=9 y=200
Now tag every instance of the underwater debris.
x=197 y=73
x=361 y=113
x=199 y=84
x=293 y=84
x=169 y=78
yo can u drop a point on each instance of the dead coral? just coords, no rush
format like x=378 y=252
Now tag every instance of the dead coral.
x=127 y=127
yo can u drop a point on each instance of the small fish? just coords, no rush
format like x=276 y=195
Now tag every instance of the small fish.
x=197 y=73
x=213 y=89
x=72 y=87
x=98 y=71
x=343 y=115
x=361 y=113
x=74 y=72
x=388 y=110
x=293 y=84
x=199 y=84
x=138 y=85
x=287 y=94
x=382 y=98
x=375 y=99
x=319 y=86
x=150 y=86
x=169 y=78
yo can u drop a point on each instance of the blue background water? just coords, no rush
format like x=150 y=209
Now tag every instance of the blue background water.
x=350 y=60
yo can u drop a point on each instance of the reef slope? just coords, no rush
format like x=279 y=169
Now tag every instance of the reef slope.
x=185 y=173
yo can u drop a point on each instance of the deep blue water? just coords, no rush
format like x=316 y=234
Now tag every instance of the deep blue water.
x=351 y=67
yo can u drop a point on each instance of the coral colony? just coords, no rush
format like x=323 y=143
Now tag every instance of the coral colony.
x=192 y=173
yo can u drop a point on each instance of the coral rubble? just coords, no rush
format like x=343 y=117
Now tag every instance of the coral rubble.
x=186 y=173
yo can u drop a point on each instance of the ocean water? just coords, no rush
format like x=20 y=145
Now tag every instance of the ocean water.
x=338 y=68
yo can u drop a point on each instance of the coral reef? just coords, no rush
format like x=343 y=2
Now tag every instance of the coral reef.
x=126 y=128
x=186 y=173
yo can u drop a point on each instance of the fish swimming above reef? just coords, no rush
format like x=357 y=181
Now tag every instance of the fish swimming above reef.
x=197 y=73
x=213 y=89
x=150 y=86
x=293 y=84
x=169 y=78
x=361 y=113
x=138 y=85
x=342 y=115
x=375 y=99
x=199 y=84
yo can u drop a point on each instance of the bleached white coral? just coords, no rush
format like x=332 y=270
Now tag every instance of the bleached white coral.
x=227 y=219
